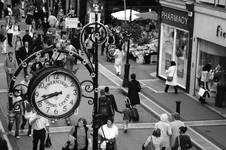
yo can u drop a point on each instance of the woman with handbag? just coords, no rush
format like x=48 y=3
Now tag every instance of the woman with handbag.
x=183 y=141
x=107 y=135
x=166 y=131
x=79 y=137
x=153 y=141
x=171 y=74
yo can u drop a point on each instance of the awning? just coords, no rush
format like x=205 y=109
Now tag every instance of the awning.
x=125 y=15
x=148 y=15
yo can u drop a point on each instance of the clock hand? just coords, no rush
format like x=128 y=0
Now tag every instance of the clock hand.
x=50 y=95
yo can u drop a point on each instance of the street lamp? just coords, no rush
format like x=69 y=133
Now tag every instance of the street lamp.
x=95 y=111
x=127 y=65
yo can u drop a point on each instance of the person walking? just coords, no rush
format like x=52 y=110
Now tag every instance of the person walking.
x=79 y=136
x=3 y=143
x=1 y=7
x=105 y=107
x=10 y=66
x=171 y=74
x=9 y=29
x=118 y=54
x=90 y=47
x=3 y=37
x=175 y=124
x=17 y=110
x=25 y=105
x=154 y=139
x=25 y=51
x=112 y=101
x=133 y=90
x=40 y=126
x=166 y=131
x=108 y=134
x=182 y=140
x=17 y=45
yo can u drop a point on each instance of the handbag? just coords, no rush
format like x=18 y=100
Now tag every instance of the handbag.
x=48 y=142
x=150 y=145
x=109 y=143
x=201 y=91
x=169 y=78
x=179 y=147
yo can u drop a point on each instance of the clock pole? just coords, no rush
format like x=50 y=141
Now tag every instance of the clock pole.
x=95 y=119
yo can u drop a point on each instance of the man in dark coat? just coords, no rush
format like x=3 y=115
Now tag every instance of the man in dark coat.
x=25 y=51
x=133 y=90
x=1 y=8
x=27 y=38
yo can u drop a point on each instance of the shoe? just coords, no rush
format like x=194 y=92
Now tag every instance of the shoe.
x=10 y=132
x=17 y=136
x=125 y=131
x=29 y=134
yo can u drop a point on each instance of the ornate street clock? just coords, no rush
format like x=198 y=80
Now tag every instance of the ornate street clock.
x=54 y=92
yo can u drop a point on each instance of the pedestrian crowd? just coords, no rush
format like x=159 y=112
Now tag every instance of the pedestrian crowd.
x=168 y=134
x=45 y=29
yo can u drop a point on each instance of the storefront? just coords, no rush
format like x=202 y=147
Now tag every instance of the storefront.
x=174 y=43
x=209 y=46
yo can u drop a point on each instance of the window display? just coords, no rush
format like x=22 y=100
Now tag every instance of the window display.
x=174 y=46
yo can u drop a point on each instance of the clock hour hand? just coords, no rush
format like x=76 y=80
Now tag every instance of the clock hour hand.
x=50 y=95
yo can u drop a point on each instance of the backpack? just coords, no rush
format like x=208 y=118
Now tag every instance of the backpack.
x=105 y=106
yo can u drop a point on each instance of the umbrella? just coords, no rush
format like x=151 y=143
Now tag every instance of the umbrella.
x=148 y=15
x=120 y=15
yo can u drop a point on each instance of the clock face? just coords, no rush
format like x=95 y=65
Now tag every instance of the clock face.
x=57 y=95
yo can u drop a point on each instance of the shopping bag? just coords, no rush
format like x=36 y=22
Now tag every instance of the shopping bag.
x=48 y=143
x=201 y=91
x=169 y=78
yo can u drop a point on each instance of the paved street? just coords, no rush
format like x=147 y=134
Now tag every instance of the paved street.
x=207 y=124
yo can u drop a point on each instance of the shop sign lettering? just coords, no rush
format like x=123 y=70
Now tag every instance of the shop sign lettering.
x=175 y=17
x=221 y=32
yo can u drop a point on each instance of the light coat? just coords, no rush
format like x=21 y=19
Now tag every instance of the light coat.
x=175 y=125
x=166 y=131
x=172 y=72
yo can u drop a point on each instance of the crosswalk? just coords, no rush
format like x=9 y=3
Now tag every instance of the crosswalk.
x=198 y=139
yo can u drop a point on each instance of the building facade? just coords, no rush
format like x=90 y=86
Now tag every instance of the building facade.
x=175 y=44
x=209 y=44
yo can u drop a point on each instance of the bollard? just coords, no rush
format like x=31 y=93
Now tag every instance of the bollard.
x=178 y=106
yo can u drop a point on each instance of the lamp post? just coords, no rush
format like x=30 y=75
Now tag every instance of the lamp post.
x=95 y=111
x=127 y=65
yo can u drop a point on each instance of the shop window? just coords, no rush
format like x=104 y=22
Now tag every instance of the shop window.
x=174 y=46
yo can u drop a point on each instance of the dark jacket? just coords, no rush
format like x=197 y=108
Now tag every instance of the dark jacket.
x=24 y=54
x=28 y=38
x=185 y=142
x=75 y=135
x=133 y=92
x=3 y=144
x=113 y=103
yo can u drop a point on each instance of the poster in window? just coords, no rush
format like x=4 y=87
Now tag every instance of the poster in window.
x=180 y=68
x=168 y=58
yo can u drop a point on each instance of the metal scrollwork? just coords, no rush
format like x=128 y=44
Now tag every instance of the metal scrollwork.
x=88 y=88
x=98 y=35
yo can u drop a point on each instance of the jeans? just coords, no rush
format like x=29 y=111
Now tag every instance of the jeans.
x=24 y=121
x=39 y=135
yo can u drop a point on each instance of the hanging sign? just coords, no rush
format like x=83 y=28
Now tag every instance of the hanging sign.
x=71 y=22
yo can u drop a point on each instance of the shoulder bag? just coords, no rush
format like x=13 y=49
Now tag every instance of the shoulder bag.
x=109 y=143
x=179 y=147
x=149 y=146
x=48 y=143
x=169 y=78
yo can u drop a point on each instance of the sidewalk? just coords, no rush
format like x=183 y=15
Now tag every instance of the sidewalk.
x=204 y=136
